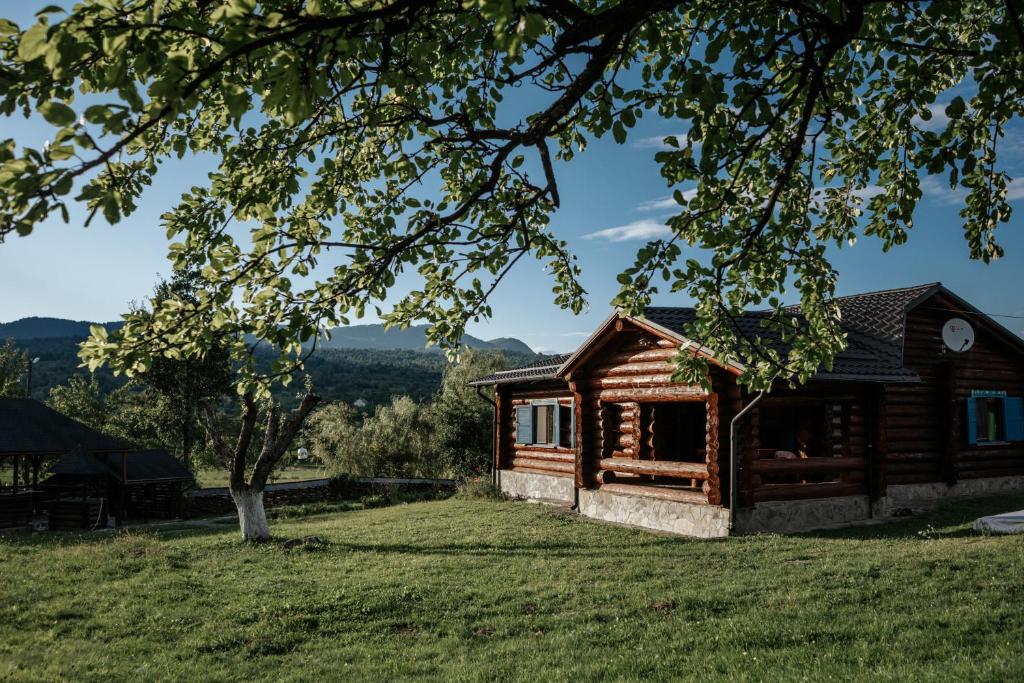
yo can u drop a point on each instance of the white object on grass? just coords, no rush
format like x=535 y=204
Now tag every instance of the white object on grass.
x=1006 y=523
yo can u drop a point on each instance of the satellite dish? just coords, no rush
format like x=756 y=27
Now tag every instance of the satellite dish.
x=958 y=335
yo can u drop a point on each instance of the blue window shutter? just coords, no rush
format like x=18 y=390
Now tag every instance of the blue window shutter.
x=556 y=425
x=524 y=424
x=1013 y=414
x=972 y=421
x=572 y=425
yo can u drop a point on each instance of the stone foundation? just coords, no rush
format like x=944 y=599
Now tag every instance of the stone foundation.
x=712 y=521
x=540 y=487
x=789 y=516
x=686 y=519
x=925 y=496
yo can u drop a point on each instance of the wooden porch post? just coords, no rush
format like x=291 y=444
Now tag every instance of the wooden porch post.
x=712 y=485
x=500 y=424
x=584 y=437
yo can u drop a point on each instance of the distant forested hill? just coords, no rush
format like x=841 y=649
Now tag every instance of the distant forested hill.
x=374 y=375
x=49 y=328
x=352 y=337
x=412 y=338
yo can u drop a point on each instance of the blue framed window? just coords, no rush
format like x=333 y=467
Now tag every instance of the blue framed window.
x=994 y=418
x=546 y=423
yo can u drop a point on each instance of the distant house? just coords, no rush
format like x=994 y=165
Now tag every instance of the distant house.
x=92 y=477
x=924 y=404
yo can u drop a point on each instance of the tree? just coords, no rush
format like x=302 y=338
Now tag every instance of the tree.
x=389 y=136
x=187 y=382
x=134 y=413
x=82 y=400
x=277 y=435
x=13 y=365
x=462 y=420
x=394 y=441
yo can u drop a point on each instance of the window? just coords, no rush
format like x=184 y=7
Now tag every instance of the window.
x=989 y=424
x=993 y=418
x=545 y=423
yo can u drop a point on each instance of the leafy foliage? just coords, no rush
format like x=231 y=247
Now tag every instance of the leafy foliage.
x=13 y=365
x=360 y=142
x=449 y=436
x=463 y=422
x=186 y=383
x=394 y=441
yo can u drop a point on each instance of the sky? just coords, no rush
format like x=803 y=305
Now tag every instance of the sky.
x=612 y=201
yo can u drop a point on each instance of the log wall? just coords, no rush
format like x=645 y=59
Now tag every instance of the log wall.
x=550 y=460
x=843 y=462
x=925 y=423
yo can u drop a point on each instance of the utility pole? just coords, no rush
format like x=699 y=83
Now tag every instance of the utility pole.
x=31 y=362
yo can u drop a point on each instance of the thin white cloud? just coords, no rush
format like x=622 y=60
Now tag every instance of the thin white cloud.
x=574 y=334
x=1015 y=190
x=646 y=229
x=663 y=203
x=941 y=192
x=938 y=121
x=658 y=141
x=868 y=191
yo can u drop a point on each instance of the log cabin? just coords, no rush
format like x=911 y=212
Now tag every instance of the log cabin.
x=923 y=405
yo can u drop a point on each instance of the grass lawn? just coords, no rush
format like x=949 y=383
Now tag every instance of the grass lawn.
x=483 y=590
x=209 y=477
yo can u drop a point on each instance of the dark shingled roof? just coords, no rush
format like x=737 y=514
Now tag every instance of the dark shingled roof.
x=140 y=466
x=79 y=463
x=154 y=465
x=874 y=324
x=29 y=427
x=539 y=370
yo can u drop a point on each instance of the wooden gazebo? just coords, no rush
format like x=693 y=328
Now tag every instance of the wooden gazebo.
x=31 y=434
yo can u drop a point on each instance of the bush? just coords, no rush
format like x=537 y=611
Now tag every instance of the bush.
x=479 y=488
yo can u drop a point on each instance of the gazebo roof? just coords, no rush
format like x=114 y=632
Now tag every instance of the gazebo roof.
x=27 y=427
x=138 y=466
x=79 y=463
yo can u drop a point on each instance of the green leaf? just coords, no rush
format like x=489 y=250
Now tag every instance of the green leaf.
x=57 y=113
x=956 y=108
x=619 y=132
x=33 y=43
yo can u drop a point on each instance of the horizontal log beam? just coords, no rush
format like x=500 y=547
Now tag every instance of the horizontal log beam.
x=560 y=455
x=656 y=468
x=534 y=464
x=661 y=493
x=671 y=394
x=549 y=473
x=767 y=492
x=807 y=465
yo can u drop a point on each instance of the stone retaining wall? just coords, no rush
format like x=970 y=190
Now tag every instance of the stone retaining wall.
x=539 y=487
x=791 y=516
x=687 y=519
x=925 y=496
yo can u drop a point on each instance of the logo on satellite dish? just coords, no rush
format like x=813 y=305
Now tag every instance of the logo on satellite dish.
x=958 y=335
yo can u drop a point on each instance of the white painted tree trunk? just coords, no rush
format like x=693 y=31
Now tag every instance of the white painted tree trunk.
x=252 y=518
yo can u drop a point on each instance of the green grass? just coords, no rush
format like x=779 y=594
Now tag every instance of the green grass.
x=483 y=590
x=209 y=477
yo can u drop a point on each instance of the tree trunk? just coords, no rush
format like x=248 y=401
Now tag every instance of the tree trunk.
x=252 y=518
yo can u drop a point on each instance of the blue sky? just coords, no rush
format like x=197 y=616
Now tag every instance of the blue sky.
x=613 y=199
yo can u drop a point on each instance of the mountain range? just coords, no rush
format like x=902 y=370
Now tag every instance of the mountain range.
x=372 y=336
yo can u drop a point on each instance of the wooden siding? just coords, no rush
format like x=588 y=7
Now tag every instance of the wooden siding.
x=925 y=423
x=551 y=460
